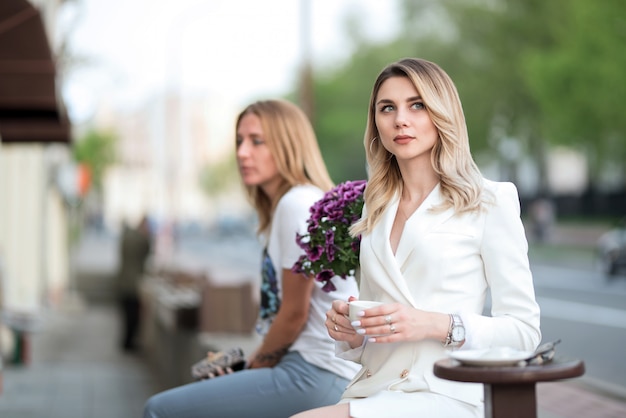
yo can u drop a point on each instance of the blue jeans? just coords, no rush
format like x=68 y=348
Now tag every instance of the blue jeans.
x=291 y=386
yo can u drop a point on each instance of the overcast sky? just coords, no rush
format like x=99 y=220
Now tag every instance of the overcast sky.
x=237 y=49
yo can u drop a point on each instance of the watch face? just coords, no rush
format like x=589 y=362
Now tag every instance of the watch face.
x=458 y=333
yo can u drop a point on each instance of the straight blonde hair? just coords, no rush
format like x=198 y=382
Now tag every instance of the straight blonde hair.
x=293 y=145
x=460 y=178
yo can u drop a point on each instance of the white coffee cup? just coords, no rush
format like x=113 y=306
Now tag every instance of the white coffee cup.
x=357 y=306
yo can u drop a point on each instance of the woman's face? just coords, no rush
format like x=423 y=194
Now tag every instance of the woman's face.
x=254 y=158
x=404 y=125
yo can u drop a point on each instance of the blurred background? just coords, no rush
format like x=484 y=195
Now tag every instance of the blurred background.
x=114 y=110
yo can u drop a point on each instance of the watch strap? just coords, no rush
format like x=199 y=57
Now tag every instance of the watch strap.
x=455 y=321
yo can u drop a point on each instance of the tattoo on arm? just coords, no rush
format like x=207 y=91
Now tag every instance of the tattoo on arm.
x=271 y=357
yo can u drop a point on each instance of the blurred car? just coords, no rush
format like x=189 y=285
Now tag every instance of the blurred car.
x=611 y=249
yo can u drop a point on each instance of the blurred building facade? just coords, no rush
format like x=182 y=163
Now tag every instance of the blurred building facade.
x=162 y=149
x=34 y=247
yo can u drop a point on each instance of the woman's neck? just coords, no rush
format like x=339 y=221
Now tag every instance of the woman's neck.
x=417 y=183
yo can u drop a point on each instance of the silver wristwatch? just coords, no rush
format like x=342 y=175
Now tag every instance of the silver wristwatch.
x=456 y=332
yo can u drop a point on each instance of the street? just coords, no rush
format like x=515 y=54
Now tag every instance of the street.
x=588 y=313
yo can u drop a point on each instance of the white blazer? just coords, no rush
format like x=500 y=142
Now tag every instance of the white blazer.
x=446 y=263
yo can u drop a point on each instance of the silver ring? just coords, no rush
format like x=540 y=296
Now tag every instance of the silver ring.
x=388 y=319
x=392 y=328
x=335 y=327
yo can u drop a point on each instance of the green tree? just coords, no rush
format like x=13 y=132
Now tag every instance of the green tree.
x=541 y=72
x=528 y=71
x=466 y=39
x=579 y=82
x=483 y=46
x=96 y=149
x=342 y=95
x=341 y=112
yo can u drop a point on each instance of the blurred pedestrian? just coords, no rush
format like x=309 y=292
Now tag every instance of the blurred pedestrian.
x=295 y=367
x=436 y=236
x=134 y=249
x=542 y=218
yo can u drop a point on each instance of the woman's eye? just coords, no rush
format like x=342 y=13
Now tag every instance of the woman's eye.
x=258 y=141
x=386 y=108
x=238 y=141
x=418 y=106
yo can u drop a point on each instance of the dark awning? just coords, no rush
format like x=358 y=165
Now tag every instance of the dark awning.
x=30 y=110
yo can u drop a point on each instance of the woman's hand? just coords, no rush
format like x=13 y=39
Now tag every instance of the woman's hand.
x=396 y=322
x=338 y=324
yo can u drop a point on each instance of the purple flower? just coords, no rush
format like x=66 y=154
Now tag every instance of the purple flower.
x=315 y=253
x=325 y=277
x=298 y=265
x=356 y=245
x=329 y=287
x=330 y=245
x=329 y=250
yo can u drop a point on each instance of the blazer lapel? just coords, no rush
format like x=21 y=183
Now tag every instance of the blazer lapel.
x=385 y=272
x=418 y=224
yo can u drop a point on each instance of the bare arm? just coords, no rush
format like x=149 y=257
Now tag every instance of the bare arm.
x=289 y=321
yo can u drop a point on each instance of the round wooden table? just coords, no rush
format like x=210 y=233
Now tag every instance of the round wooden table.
x=510 y=391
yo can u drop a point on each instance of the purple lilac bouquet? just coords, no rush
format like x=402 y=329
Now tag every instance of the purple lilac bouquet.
x=329 y=249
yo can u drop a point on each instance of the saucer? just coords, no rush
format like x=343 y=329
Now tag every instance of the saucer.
x=496 y=356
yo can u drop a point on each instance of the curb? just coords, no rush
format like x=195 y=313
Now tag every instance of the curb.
x=602 y=388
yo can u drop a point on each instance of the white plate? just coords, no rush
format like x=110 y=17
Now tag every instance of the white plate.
x=497 y=356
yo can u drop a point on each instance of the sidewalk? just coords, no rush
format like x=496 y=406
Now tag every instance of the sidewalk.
x=77 y=372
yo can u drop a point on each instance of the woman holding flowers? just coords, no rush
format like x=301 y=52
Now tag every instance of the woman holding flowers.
x=295 y=367
x=436 y=236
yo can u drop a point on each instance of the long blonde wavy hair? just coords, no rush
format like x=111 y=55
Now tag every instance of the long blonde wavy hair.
x=291 y=140
x=460 y=178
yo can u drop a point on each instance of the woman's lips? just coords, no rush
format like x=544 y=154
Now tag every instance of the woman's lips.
x=403 y=139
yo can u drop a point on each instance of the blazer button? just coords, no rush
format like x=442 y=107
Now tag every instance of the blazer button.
x=404 y=373
x=368 y=373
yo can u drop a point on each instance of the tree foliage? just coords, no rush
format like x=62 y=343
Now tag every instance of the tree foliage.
x=532 y=71
x=341 y=112
x=579 y=81
x=96 y=149
x=482 y=45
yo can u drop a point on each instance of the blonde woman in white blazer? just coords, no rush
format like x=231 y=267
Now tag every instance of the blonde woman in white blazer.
x=436 y=236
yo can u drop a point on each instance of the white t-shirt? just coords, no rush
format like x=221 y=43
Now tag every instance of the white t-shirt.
x=314 y=344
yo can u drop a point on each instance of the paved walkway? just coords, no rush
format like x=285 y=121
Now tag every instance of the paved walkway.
x=77 y=371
